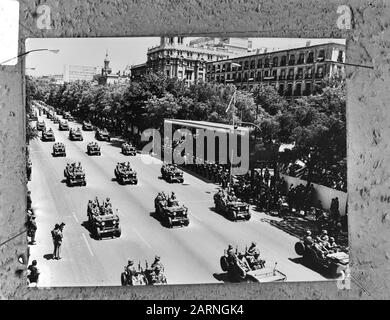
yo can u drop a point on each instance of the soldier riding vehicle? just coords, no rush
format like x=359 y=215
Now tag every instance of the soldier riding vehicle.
x=75 y=135
x=63 y=126
x=87 y=126
x=230 y=206
x=59 y=150
x=74 y=174
x=102 y=135
x=128 y=149
x=169 y=212
x=93 y=149
x=41 y=126
x=48 y=135
x=171 y=173
x=125 y=174
x=102 y=220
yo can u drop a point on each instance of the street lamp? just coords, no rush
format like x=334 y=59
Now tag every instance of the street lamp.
x=27 y=52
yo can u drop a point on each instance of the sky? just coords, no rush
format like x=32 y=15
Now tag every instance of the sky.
x=121 y=51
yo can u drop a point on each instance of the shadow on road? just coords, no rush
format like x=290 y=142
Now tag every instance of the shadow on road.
x=316 y=268
x=48 y=256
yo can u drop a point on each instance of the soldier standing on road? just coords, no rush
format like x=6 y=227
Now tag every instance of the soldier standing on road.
x=31 y=230
x=57 y=240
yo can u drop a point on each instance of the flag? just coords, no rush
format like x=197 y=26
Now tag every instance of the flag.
x=231 y=101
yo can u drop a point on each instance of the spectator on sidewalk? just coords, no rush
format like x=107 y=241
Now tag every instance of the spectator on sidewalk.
x=31 y=229
x=33 y=272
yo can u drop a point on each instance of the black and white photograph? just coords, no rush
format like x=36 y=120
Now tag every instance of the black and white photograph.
x=186 y=160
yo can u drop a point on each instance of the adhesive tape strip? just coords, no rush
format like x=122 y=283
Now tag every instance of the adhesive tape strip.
x=9 y=32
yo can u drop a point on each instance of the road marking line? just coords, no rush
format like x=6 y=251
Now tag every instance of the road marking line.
x=142 y=238
x=74 y=216
x=86 y=242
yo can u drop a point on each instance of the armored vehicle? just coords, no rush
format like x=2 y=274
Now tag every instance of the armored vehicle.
x=74 y=175
x=125 y=174
x=169 y=212
x=171 y=173
x=102 y=220
x=231 y=207
x=128 y=149
x=102 y=135
x=93 y=149
x=59 y=150
x=75 y=135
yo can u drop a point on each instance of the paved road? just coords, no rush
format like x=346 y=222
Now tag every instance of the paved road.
x=190 y=255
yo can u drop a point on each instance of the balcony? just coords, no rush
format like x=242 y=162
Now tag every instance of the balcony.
x=291 y=62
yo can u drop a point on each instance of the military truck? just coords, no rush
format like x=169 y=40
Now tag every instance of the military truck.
x=231 y=208
x=102 y=135
x=93 y=149
x=336 y=261
x=128 y=149
x=74 y=174
x=75 y=135
x=170 y=213
x=63 y=126
x=171 y=173
x=48 y=135
x=41 y=126
x=102 y=220
x=59 y=150
x=239 y=270
x=87 y=126
x=124 y=174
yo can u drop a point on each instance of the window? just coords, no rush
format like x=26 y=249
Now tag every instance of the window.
x=253 y=63
x=289 y=89
x=307 y=89
x=310 y=58
x=340 y=56
x=228 y=77
x=260 y=63
x=300 y=73
x=246 y=65
x=266 y=63
x=239 y=77
x=168 y=73
x=283 y=61
x=281 y=89
x=234 y=76
x=258 y=76
x=291 y=61
x=301 y=58
x=321 y=54
x=265 y=74
x=298 y=89
x=275 y=61
x=309 y=72
x=252 y=76
x=320 y=72
x=290 y=74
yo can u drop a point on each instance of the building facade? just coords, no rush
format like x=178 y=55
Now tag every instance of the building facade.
x=293 y=72
x=77 y=73
x=175 y=59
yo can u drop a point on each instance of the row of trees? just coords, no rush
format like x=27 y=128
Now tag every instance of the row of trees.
x=314 y=124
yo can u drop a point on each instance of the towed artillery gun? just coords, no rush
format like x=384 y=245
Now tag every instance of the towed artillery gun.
x=241 y=267
x=75 y=135
x=59 y=150
x=231 y=207
x=74 y=175
x=169 y=212
x=93 y=149
x=143 y=276
x=102 y=135
x=124 y=174
x=172 y=173
x=63 y=126
x=102 y=220
x=48 y=135
x=128 y=149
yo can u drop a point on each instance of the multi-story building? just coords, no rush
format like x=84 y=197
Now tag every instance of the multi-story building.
x=176 y=59
x=75 y=73
x=293 y=72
